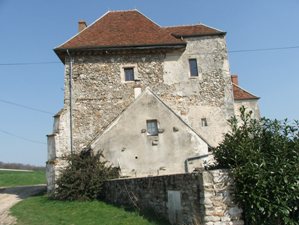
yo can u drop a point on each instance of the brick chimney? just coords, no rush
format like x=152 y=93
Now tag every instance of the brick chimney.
x=81 y=25
x=235 y=79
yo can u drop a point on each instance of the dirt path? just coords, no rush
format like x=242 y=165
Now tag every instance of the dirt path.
x=11 y=196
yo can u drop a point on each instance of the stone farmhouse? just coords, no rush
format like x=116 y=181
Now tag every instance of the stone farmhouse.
x=153 y=99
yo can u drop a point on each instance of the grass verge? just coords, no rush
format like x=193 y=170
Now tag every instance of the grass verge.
x=39 y=210
x=16 y=178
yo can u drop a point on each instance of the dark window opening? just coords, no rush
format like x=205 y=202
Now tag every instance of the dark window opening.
x=129 y=74
x=193 y=67
x=204 y=122
x=152 y=127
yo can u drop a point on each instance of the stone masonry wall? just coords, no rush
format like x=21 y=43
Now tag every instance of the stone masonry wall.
x=190 y=199
x=207 y=96
x=100 y=95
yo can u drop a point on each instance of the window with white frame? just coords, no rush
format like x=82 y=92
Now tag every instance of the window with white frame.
x=129 y=74
x=152 y=127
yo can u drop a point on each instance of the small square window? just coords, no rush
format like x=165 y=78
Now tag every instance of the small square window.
x=193 y=67
x=204 y=122
x=152 y=127
x=129 y=74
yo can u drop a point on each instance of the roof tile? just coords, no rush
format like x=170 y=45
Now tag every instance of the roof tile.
x=241 y=94
x=131 y=28
x=192 y=30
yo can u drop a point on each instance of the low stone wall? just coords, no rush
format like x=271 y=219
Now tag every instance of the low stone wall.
x=188 y=199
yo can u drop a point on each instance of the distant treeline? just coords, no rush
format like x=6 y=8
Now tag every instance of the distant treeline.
x=20 y=166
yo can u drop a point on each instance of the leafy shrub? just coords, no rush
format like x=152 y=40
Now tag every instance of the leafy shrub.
x=263 y=156
x=83 y=178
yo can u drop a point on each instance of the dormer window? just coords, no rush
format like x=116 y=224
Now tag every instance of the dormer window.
x=193 y=67
x=129 y=74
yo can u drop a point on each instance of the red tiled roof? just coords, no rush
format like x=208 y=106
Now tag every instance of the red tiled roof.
x=192 y=30
x=241 y=94
x=131 y=28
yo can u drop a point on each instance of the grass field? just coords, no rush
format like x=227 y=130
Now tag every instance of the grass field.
x=16 y=178
x=39 y=210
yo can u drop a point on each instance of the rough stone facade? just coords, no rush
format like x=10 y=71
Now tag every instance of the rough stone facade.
x=100 y=95
x=207 y=96
x=191 y=199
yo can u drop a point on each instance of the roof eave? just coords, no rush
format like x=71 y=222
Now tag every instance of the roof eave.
x=250 y=98
x=60 y=51
x=242 y=99
x=198 y=35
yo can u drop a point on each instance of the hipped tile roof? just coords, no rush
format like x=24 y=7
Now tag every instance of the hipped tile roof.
x=131 y=28
x=241 y=94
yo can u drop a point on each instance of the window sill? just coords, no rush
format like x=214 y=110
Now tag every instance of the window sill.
x=193 y=77
x=129 y=82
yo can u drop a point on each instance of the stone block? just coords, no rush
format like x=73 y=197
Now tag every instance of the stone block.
x=212 y=218
x=219 y=223
x=209 y=223
x=225 y=219
x=207 y=178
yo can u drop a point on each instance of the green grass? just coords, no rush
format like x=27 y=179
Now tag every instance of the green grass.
x=39 y=210
x=15 y=178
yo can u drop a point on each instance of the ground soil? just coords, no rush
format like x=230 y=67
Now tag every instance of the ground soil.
x=11 y=196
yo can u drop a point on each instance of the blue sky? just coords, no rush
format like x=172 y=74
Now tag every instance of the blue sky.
x=31 y=29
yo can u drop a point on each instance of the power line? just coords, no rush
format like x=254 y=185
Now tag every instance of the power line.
x=25 y=107
x=263 y=49
x=27 y=63
x=22 y=138
x=232 y=51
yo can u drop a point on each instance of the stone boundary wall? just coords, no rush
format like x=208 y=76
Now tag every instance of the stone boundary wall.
x=186 y=199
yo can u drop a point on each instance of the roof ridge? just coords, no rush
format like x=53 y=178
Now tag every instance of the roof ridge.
x=212 y=27
x=136 y=10
x=124 y=10
x=184 y=25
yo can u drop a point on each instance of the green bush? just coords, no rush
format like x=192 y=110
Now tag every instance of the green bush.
x=263 y=156
x=83 y=178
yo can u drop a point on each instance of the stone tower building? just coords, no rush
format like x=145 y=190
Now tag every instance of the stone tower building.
x=152 y=98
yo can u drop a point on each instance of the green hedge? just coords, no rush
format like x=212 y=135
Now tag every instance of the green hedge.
x=83 y=178
x=263 y=156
